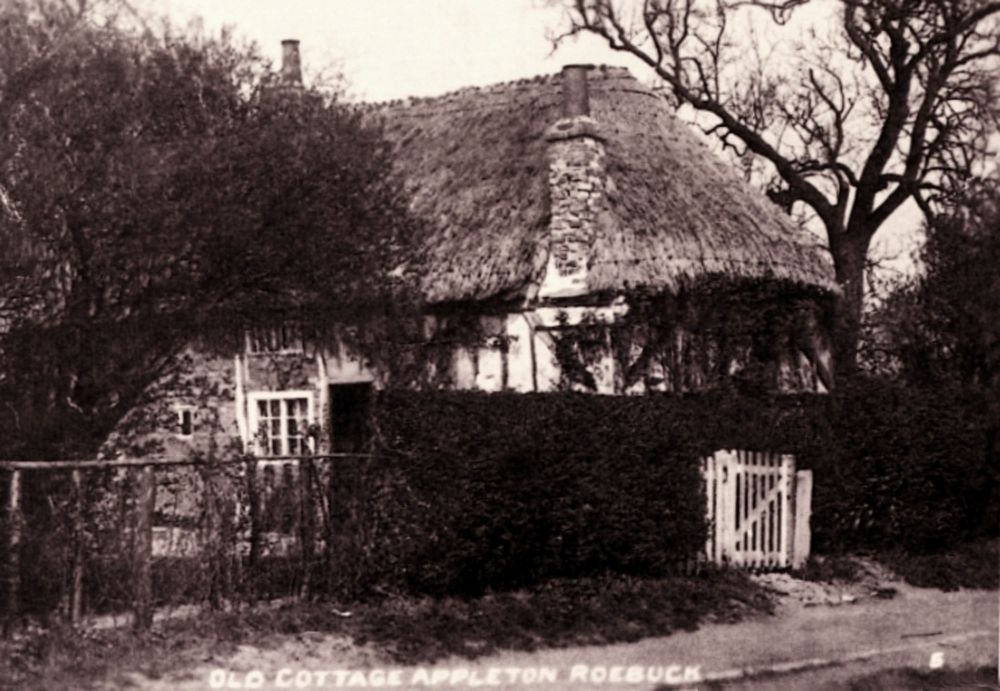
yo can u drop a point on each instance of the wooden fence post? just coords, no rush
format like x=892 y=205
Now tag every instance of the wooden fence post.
x=253 y=499
x=307 y=524
x=76 y=595
x=213 y=536
x=145 y=498
x=13 y=550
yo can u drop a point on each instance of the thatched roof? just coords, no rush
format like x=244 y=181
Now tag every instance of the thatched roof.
x=474 y=163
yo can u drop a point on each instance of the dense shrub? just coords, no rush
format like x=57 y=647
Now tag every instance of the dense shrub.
x=504 y=490
x=905 y=468
x=473 y=491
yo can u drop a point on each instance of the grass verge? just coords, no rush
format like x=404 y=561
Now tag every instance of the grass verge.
x=970 y=565
x=563 y=612
x=559 y=613
x=973 y=564
x=830 y=569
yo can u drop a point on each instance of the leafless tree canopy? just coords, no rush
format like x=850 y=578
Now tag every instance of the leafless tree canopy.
x=891 y=100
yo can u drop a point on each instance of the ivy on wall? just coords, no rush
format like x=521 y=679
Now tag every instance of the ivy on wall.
x=702 y=335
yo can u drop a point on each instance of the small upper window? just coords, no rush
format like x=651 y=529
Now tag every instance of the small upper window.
x=185 y=421
x=285 y=338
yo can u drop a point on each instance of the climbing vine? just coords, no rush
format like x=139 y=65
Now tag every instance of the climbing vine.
x=702 y=336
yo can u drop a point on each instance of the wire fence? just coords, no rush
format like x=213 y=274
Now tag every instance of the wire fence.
x=85 y=538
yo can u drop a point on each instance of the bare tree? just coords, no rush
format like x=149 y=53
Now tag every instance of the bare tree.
x=893 y=101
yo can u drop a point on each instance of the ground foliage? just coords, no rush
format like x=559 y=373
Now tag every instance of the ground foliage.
x=969 y=565
x=598 y=610
x=601 y=610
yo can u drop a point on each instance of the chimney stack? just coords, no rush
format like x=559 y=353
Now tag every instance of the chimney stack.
x=576 y=97
x=577 y=189
x=291 y=63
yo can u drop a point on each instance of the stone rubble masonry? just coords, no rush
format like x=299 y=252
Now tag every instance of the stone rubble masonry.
x=150 y=431
x=577 y=189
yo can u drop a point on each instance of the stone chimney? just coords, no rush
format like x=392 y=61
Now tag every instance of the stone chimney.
x=577 y=182
x=291 y=63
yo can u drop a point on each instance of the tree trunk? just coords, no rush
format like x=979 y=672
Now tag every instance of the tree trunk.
x=849 y=256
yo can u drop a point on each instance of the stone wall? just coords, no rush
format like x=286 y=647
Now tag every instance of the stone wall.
x=204 y=385
x=577 y=181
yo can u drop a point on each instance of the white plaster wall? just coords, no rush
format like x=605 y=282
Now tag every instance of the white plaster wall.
x=465 y=368
x=520 y=366
x=489 y=369
x=344 y=367
x=547 y=371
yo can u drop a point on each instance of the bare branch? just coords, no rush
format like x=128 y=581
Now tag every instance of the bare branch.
x=889 y=104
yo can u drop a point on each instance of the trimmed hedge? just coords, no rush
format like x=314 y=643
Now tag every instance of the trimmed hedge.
x=473 y=491
x=469 y=492
x=504 y=490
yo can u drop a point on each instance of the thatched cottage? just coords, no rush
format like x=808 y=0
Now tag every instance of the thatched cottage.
x=589 y=235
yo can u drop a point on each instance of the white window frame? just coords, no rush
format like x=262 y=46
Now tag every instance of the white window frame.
x=180 y=409
x=255 y=397
x=289 y=336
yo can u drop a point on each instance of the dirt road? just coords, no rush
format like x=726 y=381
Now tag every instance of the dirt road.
x=808 y=641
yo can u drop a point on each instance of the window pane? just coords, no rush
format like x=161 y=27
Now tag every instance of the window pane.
x=283 y=425
x=187 y=424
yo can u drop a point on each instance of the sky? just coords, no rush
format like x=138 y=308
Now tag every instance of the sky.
x=388 y=49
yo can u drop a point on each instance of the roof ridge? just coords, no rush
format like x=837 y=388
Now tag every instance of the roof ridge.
x=599 y=72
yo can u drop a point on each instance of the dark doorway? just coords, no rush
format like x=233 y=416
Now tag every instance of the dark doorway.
x=350 y=408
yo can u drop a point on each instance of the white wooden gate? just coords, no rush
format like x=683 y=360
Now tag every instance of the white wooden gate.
x=752 y=507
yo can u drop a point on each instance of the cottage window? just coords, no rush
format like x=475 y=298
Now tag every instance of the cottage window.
x=285 y=338
x=281 y=421
x=185 y=421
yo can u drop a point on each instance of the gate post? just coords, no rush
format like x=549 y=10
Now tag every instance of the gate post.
x=802 y=534
x=725 y=512
x=787 y=481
